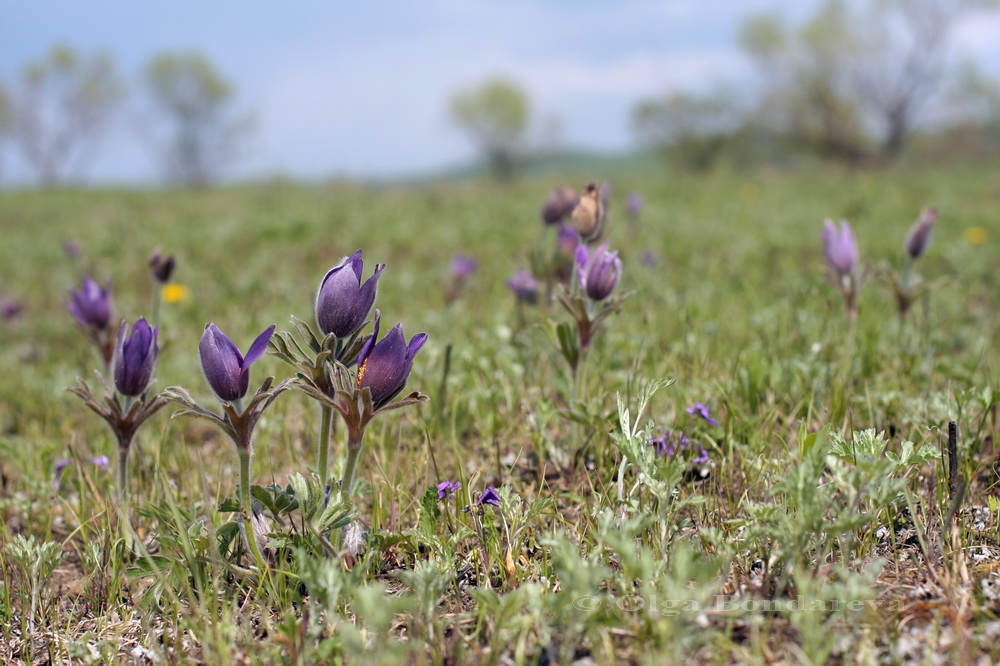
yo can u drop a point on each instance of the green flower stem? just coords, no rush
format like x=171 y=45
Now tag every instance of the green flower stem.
x=247 y=509
x=123 y=474
x=157 y=290
x=323 y=444
x=354 y=446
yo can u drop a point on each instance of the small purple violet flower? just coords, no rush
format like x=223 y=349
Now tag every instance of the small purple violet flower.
x=598 y=271
x=385 y=366
x=134 y=358
x=490 y=496
x=669 y=443
x=701 y=411
x=840 y=247
x=702 y=458
x=525 y=287
x=225 y=368
x=462 y=268
x=342 y=302
x=61 y=464
x=101 y=462
x=633 y=205
x=447 y=489
x=91 y=306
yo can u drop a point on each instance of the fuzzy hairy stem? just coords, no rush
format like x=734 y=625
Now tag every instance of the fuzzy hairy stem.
x=323 y=442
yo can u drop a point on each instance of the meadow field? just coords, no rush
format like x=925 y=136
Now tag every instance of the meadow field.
x=742 y=474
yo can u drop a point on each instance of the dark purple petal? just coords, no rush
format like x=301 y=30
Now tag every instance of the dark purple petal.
x=559 y=205
x=366 y=348
x=447 y=489
x=490 y=496
x=342 y=302
x=600 y=272
x=919 y=236
x=384 y=367
x=134 y=358
x=258 y=347
x=222 y=364
x=701 y=410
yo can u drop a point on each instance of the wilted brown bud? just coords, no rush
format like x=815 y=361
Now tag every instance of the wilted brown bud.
x=162 y=267
x=588 y=216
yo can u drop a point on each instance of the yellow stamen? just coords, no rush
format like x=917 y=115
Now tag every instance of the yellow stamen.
x=361 y=372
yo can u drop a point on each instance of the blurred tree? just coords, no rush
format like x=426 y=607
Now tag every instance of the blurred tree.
x=496 y=115
x=196 y=100
x=692 y=131
x=60 y=110
x=851 y=81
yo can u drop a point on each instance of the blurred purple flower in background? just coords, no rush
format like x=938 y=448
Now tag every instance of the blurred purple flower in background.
x=633 y=205
x=669 y=443
x=10 y=309
x=385 y=366
x=840 y=247
x=462 y=268
x=447 y=489
x=567 y=241
x=599 y=271
x=225 y=368
x=101 y=462
x=559 y=205
x=702 y=458
x=161 y=266
x=342 y=302
x=701 y=411
x=72 y=248
x=57 y=473
x=91 y=306
x=525 y=287
x=649 y=259
x=919 y=236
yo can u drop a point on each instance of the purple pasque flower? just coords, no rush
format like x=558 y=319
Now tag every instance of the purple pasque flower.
x=134 y=358
x=701 y=411
x=525 y=286
x=463 y=267
x=567 y=241
x=447 y=489
x=91 y=306
x=840 y=247
x=559 y=205
x=919 y=236
x=599 y=271
x=384 y=367
x=225 y=368
x=490 y=496
x=633 y=205
x=162 y=267
x=342 y=302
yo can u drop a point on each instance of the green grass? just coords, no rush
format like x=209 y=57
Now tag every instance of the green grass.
x=793 y=547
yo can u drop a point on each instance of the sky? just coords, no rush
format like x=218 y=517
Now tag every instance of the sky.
x=361 y=90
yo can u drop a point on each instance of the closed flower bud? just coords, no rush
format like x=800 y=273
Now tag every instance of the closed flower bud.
x=599 y=271
x=343 y=303
x=162 y=267
x=91 y=306
x=559 y=205
x=525 y=287
x=225 y=368
x=840 y=247
x=384 y=367
x=588 y=216
x=920 y=233
x=134 y=358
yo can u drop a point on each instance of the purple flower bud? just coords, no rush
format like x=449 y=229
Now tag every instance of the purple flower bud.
x=384 y=367
x=462 y=268
x=490 y=496
x=840 y=247
x=920 y=233
x=134 y=358
x=599 y=271
x=633 y=205
x=225 y=368
x=161 y=266
x=447 y=489
x=701 y=410
x=559 y=205
x=91 y=306
x=525 y=287
x=343 y=303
